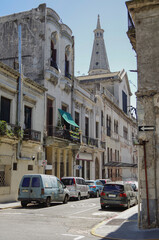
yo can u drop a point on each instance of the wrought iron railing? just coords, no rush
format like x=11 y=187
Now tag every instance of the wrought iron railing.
x=59 y=132
x=10 y=130
x=130 y=22
x=30 y=134
x=90 y=141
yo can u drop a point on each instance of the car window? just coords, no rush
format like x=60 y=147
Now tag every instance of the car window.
x=89 y=183
x=134 y=186
x=59 y=184
x=67 y=181
x=47 y=182
x=26 y=182
x=83 y=182
x=98 y=183
x=103 y=181
x=113 y=187
x=35 y=182
x=54 y=182
x=78 y=181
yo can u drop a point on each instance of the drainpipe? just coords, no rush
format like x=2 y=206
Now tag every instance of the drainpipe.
x=72 y=88
x=20 y=73
x=19 y=89
x=147 y=193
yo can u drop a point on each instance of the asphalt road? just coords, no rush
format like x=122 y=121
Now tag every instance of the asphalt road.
x=71 y=221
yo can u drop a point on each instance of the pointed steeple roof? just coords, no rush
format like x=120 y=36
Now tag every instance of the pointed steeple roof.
x=98 y=22
x=99 y=61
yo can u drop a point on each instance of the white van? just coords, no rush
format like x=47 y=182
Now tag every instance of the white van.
x=76 y=186
x=41 y=188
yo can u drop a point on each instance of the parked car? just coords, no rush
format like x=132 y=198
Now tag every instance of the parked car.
x=118 y=194
x=104 y=181
x=95 y=187
x=77 y=187
x=40 y=188
x=134 y=185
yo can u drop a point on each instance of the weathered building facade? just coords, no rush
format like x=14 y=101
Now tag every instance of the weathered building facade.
x=143 y=34
x=83 y=124
x=20 y=146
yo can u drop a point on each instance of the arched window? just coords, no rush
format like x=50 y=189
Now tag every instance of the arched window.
x=53 y=62
x=66 y=66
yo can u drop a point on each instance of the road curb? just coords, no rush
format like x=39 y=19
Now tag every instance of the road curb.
x=105 y=221
x=101 y=223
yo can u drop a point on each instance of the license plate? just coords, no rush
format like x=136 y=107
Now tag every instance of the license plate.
x=112 y=195
x=25 y=190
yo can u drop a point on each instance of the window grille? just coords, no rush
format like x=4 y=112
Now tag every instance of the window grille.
x=2 y=178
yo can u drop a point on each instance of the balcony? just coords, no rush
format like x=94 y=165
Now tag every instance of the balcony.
x=10 y=130
x=58 y=132
x=90 y=141
x=131 y=32
x=33 y=135
x=103 y=144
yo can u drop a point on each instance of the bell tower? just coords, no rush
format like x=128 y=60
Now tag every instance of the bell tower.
x=99 y=62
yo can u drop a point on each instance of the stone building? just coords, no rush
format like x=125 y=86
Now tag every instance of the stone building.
x=114 y=126
x=143 y=25
x=19 y=149
x=84 y=126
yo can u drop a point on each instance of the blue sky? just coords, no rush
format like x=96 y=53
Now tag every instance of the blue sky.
x=81 y=17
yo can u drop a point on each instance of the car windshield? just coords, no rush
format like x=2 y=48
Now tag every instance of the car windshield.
x=113 y=187
x=102 y=181
x=90 y=183
x=67 y=181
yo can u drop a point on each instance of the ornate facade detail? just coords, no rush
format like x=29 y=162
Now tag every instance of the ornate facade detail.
x=53 y=79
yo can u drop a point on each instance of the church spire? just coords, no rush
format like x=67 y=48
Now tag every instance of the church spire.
x=99 y=62
x=98 y=22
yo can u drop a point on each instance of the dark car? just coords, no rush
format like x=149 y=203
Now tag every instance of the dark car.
x=118 y=194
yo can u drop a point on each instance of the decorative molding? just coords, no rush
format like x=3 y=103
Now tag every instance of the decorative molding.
x=53 y=79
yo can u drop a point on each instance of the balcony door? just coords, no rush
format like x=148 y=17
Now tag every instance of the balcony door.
x=5 y=109
x=49 y=119
x=27 y=117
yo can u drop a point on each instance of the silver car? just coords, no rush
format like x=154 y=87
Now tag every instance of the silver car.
x=76 y=186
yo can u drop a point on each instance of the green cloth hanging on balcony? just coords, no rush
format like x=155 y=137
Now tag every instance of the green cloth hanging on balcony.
x=68 y=118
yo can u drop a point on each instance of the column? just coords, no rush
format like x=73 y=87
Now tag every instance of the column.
x=64 y=161
x=70 y=163
x=58 y=162
x=53 y=160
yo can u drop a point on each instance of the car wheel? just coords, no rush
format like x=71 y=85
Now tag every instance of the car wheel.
x=65 y=199
x=23 y=203
x=136 y=201
x=128 y=205
x=97 y=194
x=88 y=196
x=47 y=203
x=79 y=197
x=102 y=207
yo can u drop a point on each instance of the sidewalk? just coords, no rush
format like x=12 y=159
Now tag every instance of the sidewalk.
x=9 y=205
x=124 y=227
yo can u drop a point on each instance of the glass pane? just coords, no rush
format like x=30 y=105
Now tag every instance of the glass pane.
x=113 y=187
x=35 y=182
x=67 y=181
x=26 y=182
